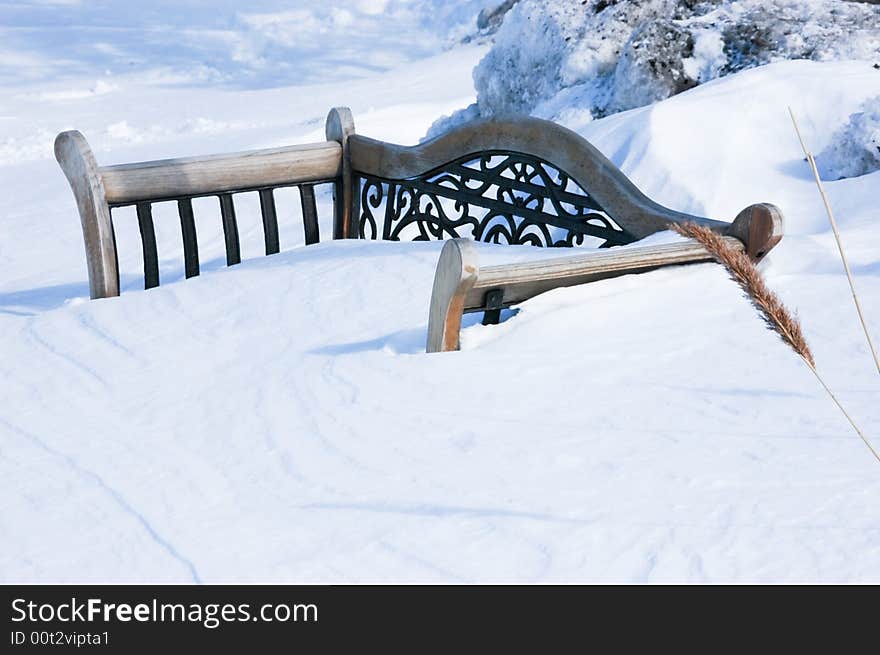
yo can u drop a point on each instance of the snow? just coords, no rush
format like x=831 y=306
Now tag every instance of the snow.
x=855 y=148
x=260 y=43
x=622 y=55
x=279 y=422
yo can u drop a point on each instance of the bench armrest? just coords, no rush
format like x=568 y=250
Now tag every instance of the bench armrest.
x=461 y=286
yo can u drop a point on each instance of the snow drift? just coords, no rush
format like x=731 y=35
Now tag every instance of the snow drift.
x=278 y=421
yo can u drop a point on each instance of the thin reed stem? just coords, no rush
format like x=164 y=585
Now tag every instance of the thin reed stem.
x=843 y=410
x=828 y=210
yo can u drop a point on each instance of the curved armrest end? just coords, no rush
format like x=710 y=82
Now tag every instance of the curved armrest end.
x=760 y=227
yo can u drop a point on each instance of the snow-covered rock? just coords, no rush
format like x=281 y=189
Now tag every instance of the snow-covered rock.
x=854 y=148
x=627 y=54
x=490 y=18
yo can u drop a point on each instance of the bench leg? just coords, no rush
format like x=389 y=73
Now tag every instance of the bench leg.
x=494 y=303
x=79 y=166
x=457 y=272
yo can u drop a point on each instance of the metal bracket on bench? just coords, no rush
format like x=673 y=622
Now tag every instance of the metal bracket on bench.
x=494 y=303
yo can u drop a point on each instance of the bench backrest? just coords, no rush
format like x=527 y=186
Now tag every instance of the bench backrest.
x=516 y=181
x=100 y=189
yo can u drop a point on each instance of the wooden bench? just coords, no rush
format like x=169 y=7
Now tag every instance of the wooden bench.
x=514 y=181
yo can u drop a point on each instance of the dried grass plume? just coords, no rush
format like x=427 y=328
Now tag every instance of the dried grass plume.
x=777 y=317
x=744 y=272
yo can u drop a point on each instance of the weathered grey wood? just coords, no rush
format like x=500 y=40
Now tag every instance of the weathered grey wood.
x=567 y=150
x=190 y=240
x=79 y=166
x=309 y=212
x=457 y=270
x=194 y=176
x=148 y=245
x=230 y=229
x=346 y=199
x=523 y=281
x=270 y=221
x=759 y=227
x=460 y=285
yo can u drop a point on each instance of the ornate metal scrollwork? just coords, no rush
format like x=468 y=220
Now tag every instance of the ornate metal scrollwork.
x=496 y=196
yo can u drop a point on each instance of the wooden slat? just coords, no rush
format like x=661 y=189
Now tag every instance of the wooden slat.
x=195 y=176
x=526 y=280
x=310 y=213
x=148 y=242
x=230 y=229
x=270 y=221
x=190 y=241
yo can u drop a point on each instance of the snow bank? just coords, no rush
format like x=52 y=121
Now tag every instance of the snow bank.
x=855 y=148
x=611 y=56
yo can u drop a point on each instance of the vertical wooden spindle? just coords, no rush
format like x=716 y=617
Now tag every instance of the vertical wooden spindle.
x=270 y=221
x=148 y=242
x=190 y=242
x=230 y=229
x=310 y=213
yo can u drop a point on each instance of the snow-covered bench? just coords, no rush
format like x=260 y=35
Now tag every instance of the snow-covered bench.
x=516 y=181
x=521 y=181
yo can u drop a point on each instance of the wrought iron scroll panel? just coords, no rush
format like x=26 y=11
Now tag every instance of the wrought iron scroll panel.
x=494 y=196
